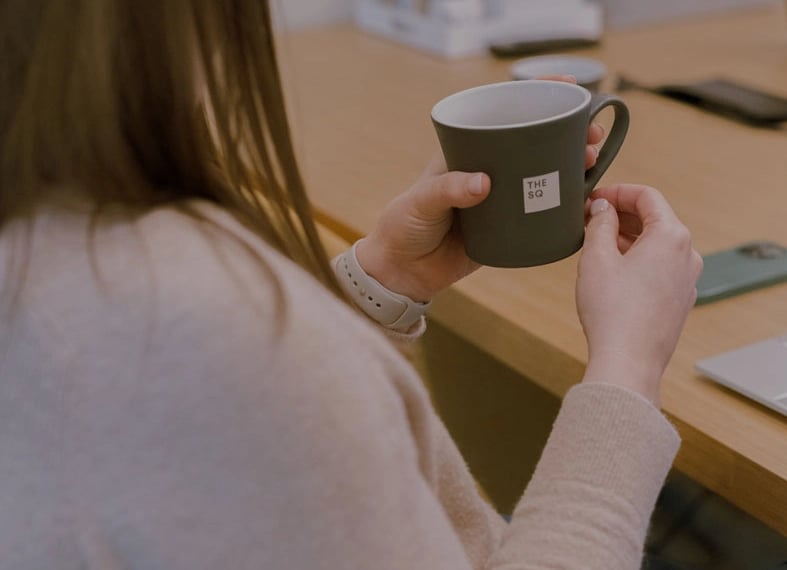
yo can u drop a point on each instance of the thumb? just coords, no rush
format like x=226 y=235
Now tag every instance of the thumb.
x=436 y=195
x=601 y=234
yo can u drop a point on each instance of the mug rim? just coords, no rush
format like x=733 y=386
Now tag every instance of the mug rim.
x=524 y=84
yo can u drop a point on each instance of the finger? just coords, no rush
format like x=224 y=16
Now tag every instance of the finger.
x=436 y=165
x=591 y=156
x=437 y=195
x=699 y=264
x=644 y=202
x=595 y=133
x=601 y=234
x=625 y=242
x=555 y=77
x=629 y=224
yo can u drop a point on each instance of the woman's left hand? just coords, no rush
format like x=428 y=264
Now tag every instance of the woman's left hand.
x=417 y=249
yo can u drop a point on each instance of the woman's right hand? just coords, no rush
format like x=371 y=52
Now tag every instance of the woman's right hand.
x=636 y=284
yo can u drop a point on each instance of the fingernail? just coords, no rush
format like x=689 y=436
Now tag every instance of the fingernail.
x=598 y=206
x=476 y=185
x=598 y=151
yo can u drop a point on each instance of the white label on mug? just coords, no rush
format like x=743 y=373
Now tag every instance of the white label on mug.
x=542 y=192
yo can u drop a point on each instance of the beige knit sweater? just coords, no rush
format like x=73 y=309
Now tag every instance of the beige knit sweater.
x=168 y=402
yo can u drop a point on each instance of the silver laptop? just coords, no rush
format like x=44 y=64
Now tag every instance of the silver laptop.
x=758 y=371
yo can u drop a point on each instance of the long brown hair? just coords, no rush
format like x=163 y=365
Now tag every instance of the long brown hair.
x=101 y=95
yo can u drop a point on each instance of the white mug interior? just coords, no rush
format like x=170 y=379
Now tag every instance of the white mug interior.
x=510 y=104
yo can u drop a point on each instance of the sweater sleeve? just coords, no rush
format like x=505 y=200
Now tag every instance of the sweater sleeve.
x=590 y=500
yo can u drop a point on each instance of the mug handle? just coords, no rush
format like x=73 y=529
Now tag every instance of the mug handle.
x=614 y=140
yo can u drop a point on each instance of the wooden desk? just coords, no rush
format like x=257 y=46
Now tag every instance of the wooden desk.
x=361 y=111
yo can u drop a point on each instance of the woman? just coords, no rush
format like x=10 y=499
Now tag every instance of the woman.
x=182 y=388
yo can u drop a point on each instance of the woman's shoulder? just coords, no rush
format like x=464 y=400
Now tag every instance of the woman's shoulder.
x=166 y=270
x=171 y=287
x=204 y=238
x=209 y=263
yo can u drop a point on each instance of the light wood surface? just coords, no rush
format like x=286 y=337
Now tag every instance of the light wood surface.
x=360 y=106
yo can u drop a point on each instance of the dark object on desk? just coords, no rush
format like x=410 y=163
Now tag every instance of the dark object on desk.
x=529 y=47
x=738 y=270
x=722 y=97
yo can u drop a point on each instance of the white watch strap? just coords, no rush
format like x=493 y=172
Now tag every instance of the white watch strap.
x=392 y=310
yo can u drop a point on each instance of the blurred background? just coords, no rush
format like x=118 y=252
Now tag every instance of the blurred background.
x=619 y=13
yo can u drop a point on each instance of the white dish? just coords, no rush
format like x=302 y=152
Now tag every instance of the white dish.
x=589 y=72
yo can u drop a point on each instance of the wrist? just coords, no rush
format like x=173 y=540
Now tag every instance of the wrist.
x=378 y=264
x=624 y=370
x=388 y=308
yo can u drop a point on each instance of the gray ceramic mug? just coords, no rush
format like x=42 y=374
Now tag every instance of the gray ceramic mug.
x=530 y=138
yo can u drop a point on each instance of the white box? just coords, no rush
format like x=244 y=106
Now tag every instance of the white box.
x=534 y=21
